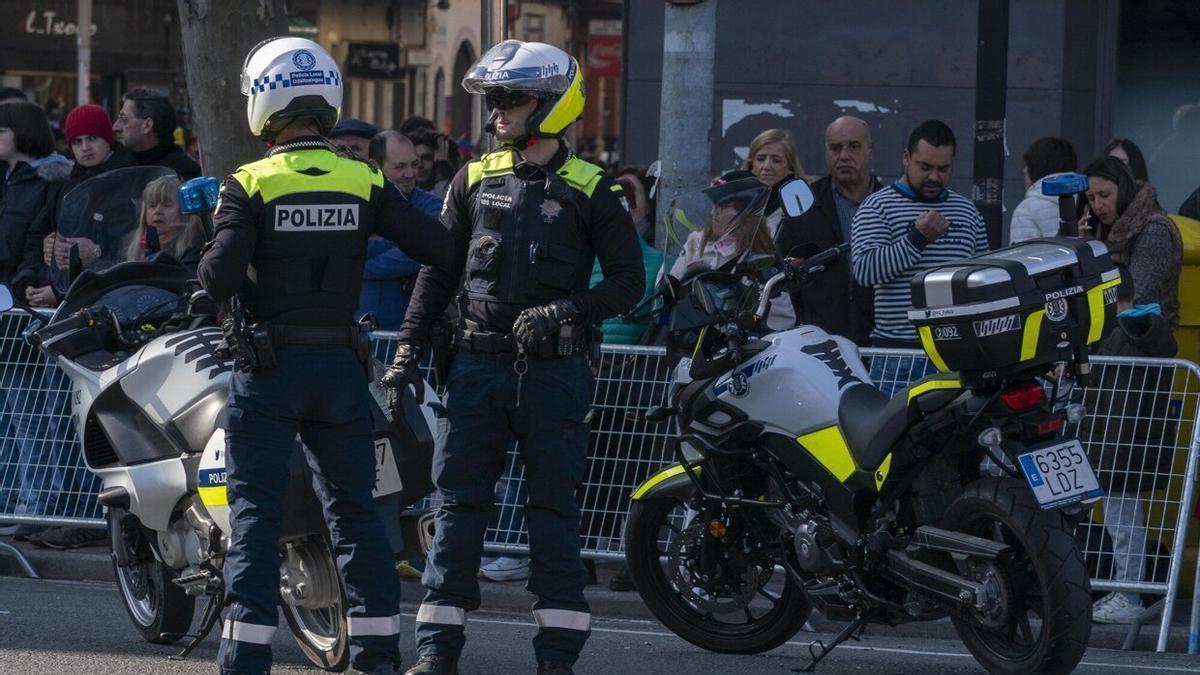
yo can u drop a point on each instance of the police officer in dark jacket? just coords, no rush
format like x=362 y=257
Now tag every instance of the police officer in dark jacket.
x=832 y=300
x=291 y=238
x=528 y=220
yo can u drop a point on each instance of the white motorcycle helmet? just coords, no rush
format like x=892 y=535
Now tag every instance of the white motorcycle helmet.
x=538 y=69
x=286 y=78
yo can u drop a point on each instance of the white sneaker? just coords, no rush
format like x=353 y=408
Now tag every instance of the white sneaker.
x=505 y=568
x=1115 y=608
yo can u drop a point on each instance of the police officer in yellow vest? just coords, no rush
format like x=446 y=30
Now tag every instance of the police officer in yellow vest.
x=291 y=239
x=528 y=221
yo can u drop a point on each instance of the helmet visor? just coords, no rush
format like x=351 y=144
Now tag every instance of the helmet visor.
x=500 y=68
x=247 y=80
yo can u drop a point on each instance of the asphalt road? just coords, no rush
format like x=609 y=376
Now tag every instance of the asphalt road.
x=80 y=627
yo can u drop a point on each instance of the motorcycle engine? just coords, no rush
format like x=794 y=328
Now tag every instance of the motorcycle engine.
x=179 y=545
x=187 y=543
x=812 y=541
x=816 y=546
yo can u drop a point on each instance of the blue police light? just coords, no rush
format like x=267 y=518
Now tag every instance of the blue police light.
x=199 y=195
x=1066 y=184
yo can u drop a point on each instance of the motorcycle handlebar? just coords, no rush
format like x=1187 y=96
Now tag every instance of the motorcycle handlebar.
x=798 y=268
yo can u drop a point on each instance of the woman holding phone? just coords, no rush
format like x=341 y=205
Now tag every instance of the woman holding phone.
x=1124 y=213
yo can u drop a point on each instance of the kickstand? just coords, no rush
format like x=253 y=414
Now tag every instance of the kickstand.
x=212 y=613
x=818 y=651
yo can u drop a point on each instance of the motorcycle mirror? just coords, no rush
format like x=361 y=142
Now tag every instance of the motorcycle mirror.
x=703 y=298
x=796 y=197
x=6 y=299
x=199 y=195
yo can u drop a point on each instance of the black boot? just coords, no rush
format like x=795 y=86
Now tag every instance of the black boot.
x=434 y=664
x=553 y=668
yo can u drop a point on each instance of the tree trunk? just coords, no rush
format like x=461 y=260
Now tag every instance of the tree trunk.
x=217 y=35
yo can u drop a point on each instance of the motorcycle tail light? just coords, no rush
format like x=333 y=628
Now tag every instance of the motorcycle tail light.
x=1023 y=396
x=1049 y=426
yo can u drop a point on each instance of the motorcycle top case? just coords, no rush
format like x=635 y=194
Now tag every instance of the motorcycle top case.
x=1029 y=304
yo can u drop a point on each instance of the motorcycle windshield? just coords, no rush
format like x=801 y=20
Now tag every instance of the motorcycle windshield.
x=97 y=221
x=713 y=228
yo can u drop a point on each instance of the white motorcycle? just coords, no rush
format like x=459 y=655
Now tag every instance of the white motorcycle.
x=799 y=485
x=139 y=342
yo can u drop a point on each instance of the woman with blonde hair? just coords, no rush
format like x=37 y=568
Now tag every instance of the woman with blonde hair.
x=162 y=227
x=772 y=159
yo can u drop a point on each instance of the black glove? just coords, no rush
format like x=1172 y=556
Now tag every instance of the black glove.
x=405 y=370
x=537 y=323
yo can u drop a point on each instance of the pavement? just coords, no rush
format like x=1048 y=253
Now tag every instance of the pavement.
x=94 y=565
x=52 y=626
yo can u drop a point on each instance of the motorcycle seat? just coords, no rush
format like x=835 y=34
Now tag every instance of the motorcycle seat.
x=871 y=423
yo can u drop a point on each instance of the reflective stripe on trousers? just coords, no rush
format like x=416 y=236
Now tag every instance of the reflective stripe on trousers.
x=563 y=618
x=374 y=625
x=253 y=633
x=444 y=614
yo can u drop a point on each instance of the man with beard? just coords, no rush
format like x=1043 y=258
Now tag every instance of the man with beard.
x=528 y=220
x=916 y=222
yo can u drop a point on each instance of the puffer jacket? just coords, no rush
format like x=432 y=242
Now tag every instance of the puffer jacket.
x=1036 y=215
x=27 y=203
x=1129 y=431
x=1146 y=241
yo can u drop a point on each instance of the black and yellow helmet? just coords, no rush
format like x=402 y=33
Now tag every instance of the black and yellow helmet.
x=538 y=69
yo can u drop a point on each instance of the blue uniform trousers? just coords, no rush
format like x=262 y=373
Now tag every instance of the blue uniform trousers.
x=320 y=393
x=481 y=420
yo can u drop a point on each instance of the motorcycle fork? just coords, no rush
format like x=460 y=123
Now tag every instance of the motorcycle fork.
x=708 y=546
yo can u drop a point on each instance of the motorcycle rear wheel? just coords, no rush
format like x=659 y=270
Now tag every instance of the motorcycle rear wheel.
x=322 y=633
x=753 y=618
x=1046 y=578
x=160 y=610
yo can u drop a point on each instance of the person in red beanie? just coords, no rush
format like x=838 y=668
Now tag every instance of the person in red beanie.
x=90 y=136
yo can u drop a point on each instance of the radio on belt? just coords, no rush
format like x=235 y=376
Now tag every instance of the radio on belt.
x=1029 y=304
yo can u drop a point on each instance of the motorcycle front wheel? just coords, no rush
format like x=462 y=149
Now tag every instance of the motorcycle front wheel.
x=314 y=603
x=160 y=610
x=1041 y=617
x=744 y=606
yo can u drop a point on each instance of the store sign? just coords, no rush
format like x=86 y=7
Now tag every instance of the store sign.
x=604 y=56
x=50 y=23
x=373 y=59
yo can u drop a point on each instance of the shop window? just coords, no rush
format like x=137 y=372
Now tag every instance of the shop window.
x=535 y=28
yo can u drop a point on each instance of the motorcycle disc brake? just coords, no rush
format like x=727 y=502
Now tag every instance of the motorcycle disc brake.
x=730 y=591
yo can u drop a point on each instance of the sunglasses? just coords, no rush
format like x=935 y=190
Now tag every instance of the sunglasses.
x=503 y=99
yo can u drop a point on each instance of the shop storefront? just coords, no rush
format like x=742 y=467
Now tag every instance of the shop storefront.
x=135 y=43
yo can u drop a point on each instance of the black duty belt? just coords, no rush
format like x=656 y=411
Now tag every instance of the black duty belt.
x=312 y=336
x=487 y=342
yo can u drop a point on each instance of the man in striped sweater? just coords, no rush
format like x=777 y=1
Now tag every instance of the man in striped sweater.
x=916 y=222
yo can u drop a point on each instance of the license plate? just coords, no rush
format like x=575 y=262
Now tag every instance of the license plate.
x=387 y=476
x=1060 y=474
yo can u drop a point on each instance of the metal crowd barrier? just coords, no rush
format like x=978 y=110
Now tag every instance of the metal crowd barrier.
x=1149 y=404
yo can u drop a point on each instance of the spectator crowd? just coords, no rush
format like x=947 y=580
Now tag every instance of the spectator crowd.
x=893 y=230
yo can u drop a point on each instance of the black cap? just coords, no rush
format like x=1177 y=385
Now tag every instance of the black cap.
x=740 y=191
x=349 y=126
